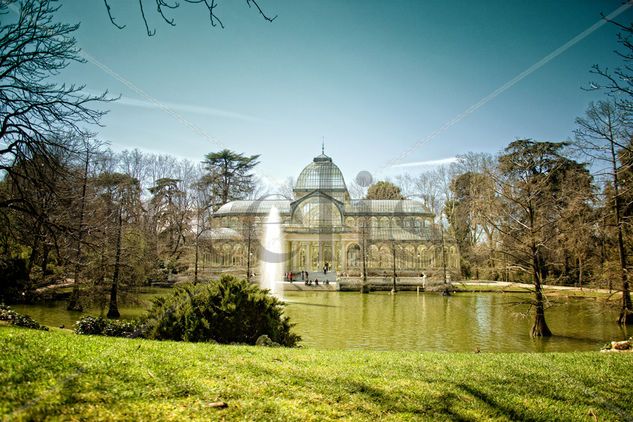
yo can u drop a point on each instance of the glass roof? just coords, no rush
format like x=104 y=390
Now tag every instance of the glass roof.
x=385 y=206
x=254 y=207
x=221 y=233
x=321 y=174
x=397 y=233
x=356 y=207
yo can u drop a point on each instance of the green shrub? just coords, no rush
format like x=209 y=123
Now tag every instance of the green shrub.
x=90 y=325
x=19 y=320
x=228 y=310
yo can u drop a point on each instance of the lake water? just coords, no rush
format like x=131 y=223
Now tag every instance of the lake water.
x=464 y=322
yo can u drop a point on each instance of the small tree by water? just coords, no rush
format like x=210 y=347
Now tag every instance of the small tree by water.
x=535 y=185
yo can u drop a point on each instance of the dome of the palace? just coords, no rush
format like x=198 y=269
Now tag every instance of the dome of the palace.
x=321 y=174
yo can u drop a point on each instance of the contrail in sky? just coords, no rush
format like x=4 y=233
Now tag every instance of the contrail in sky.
x=429 y=163
x=156 y=103
x=560 y=50
x=186 y=108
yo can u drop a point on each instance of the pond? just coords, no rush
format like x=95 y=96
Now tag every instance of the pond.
x=464 y=322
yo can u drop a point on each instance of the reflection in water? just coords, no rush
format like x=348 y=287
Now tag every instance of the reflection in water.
x=426 y=322
x=429 y=322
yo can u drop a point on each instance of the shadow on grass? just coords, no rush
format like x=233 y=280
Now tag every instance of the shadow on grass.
x=371 y=399
x=495 y=405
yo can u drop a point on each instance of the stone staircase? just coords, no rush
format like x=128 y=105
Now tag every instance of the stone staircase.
x=300 y=285
x=318 y=275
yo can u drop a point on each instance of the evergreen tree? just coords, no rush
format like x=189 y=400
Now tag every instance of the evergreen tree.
x=229 y=174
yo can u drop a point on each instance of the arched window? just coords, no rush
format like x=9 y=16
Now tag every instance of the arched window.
x=302 y=256
x=238 y=255
x=353 y=256
x=226 y=255
x=384 y=260
x=374 y=255
x=409 y=257
x=453 y=257
x=317 y=211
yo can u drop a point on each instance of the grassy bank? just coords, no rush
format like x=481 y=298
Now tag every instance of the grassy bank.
x=61 y=375
x=550 y=290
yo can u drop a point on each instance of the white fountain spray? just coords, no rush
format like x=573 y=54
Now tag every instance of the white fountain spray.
x=272 y=255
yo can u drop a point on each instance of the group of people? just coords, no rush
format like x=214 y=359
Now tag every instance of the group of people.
x=309 y=282
x=290 y=276
x=305 y=276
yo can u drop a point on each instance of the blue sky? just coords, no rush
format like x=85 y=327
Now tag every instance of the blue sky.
x=371 y=77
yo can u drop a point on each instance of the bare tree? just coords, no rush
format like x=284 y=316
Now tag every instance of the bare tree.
x=203 y=208
x=363 y=239
x=532 y=201
x=121 y=194
x=286 y=188
x=163 y=8
x=35 y=110
x=602 y=135
x=90 y=148
x=249 y=235
x=472 y=201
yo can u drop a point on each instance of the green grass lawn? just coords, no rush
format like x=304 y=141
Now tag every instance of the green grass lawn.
x=59 y=375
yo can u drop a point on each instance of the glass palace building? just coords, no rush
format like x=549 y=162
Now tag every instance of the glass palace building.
x=323 y=225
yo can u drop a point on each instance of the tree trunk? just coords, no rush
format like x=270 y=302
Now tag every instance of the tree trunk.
x=73 y=302
x=248 y=251
x=195 y=265
x=113 y=310
x=580 y=272
x=539 y=328
x=363 y=287
x=33 y=256
x=626 y=312
x=446 y=291
x=45 y=254
x=394 y=267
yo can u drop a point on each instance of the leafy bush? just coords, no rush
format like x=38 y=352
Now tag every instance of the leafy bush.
x=90 y=325
x=19 y=320
x=228 y=310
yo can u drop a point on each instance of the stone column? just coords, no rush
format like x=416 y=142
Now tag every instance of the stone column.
x=343 y=257
x=309 y=256
x=320 y=260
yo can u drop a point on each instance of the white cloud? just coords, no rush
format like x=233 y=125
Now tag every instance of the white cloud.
x=428 y=163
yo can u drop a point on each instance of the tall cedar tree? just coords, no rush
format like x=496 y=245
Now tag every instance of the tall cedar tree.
x=229 y=175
